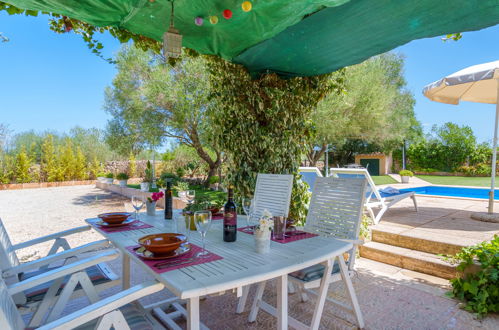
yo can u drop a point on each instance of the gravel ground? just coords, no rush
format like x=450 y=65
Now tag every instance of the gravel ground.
x=31 y=213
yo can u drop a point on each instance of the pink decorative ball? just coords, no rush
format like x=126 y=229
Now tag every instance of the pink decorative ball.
x=227 y=13
x=198 y=21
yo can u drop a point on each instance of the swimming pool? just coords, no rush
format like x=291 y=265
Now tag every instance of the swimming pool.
x=481 y=193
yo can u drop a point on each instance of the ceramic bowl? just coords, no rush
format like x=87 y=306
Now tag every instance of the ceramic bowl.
x=162 y=243
x=114 y=218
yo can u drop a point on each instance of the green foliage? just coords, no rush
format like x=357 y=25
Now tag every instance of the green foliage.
x=165 y=177
x=80 y=164
x=23 y=165
x=49 y=161
x=365 y=230
x=150 y=101
x=132 y=166
x=181 y=186
x=7 y=165
x=148 y=173
x=214 y=179
x=374 y=106
x=180 y=172
x=122 y=176
x=447 y=148
x=479 y=290
x=95 y=169
x=477 y=170
x=406 y=173
x=263 y=125
x=110 y=175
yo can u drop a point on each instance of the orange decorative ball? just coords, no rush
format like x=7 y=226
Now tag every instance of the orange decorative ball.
x=246 y=6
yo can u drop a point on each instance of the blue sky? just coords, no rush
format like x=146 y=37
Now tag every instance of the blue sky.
x=52 y=81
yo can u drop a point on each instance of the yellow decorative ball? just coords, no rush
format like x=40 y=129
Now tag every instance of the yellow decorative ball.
x=213 y=19
x=246 y=6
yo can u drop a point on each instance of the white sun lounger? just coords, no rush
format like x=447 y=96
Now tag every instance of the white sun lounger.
x=374 y=197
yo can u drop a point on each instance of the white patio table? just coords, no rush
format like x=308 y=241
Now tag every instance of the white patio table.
x=240 y=265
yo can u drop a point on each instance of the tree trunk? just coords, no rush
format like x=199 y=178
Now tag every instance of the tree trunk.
x=315 y=155
x=213 y=165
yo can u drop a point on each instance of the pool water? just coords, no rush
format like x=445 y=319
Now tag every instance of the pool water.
x=481 y=193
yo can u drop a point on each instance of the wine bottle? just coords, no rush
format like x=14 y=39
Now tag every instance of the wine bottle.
x=168 y=201
x=230 y=218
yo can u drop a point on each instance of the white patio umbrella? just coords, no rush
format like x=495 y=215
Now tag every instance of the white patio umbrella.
x=478 y=83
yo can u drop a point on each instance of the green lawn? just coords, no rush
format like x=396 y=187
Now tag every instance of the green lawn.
x=383 y=179
x=201 y=192
x=457 y=180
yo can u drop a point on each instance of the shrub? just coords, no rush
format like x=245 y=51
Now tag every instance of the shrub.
x=122 y=176
x=181 y=186
x=406 y=173
x=214 y=179
x=165 y=177
x=101 y=175
x=180 y=172
x=110 y=175
x=478 y=290
x=148 y=173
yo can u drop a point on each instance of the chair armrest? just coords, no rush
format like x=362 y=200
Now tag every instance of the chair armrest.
x=104 y=306
x=62 y=271
x=50 y=237
x=35 y=264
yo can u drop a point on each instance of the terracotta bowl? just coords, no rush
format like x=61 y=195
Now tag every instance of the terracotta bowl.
x=162 y=243
x=114 y=218
x=214 y=210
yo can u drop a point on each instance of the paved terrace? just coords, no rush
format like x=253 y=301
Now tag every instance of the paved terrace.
x=390 y=298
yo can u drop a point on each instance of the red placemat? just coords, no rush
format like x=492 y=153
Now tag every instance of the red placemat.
x=137 y=224
x=179 y=262
x=292 y=236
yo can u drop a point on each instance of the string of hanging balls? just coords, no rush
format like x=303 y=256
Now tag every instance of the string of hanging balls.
x=246 y=6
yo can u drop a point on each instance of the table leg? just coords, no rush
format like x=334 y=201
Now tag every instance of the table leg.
x=126 y=272
x=282 y=302
x=193 y=313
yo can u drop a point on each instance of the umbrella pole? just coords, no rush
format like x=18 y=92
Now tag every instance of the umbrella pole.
x=494 y=156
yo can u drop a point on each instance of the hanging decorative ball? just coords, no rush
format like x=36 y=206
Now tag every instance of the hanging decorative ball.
x=227 y=13
x=246 y=6
x=198 y=21
x=213 y=20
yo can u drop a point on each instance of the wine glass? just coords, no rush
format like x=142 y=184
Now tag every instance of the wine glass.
x=248 y=208
x=190 y=195
x=202 y=219
x=137 y=203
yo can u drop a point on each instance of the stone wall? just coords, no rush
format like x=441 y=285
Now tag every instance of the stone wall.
x=33 y=185
x=129 y=192
x=121 y=166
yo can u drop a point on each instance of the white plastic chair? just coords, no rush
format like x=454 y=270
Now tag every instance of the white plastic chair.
x=335 y=211
x=41 y=297
x=272 y=193
x=375 y=198
x=113 y=312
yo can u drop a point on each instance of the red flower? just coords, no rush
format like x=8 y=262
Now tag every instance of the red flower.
x=156 y=196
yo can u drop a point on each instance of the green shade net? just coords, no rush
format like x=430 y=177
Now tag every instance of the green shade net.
x=292 y=38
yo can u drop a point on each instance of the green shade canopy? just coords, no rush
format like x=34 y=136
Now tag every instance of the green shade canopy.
x=292 y=38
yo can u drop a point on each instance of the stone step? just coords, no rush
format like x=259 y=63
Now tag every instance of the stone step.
x=418 y=261
x=423 y=244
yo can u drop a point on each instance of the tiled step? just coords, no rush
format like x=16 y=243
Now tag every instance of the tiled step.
x=423 y=244
x=418 y=261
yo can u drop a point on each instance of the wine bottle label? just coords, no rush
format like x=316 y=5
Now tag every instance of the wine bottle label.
x=230 y=218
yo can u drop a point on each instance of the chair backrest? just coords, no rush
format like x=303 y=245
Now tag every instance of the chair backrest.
x=372 y=190
x=273 y=193
x=10 y=318
x=8 y=256
x=309 y=174
x=336 y=207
